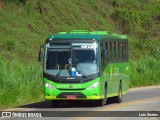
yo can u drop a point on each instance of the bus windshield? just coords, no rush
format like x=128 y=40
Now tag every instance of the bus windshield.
x=85 y=61
x=57 y=61
x=60 y=62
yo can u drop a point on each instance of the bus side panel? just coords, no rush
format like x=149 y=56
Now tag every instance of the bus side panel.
x=113 y=74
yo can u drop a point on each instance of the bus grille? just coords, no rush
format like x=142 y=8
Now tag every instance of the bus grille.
x=77 y=94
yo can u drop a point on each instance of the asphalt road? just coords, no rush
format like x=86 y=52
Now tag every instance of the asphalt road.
x=137 y=104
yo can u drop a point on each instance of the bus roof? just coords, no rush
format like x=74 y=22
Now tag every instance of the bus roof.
x=84 y=34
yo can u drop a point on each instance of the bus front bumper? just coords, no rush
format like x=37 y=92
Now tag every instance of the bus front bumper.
x=87 y=98
x=86 y=94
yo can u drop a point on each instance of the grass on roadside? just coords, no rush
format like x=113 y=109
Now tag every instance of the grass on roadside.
x=146 y=71
x=20 y=83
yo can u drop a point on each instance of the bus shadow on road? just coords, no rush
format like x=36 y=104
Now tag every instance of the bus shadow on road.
x=65 y=104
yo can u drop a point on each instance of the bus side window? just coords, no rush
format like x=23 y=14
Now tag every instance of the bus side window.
x=106 y=52
x=127 y=50
x=119 y=51
x=122 y=51
x=102 y=56
x=108 y=48
x=111 y=52
x=114 y=51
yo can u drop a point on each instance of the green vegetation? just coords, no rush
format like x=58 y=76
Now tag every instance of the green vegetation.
x=20 y=83
x=146 y=70
x=25 y=24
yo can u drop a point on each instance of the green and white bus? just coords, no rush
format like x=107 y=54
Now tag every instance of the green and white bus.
x=85 y=65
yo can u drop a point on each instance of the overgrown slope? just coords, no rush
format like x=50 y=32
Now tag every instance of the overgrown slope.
x=25 y=24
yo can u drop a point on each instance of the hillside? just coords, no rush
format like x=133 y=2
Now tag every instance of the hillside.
x=25 y=24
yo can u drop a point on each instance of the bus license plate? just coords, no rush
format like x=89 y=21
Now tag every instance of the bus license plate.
x=71 y=97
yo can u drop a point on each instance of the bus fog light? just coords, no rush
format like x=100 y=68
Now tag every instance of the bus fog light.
x=49 y=86
x=93 y=85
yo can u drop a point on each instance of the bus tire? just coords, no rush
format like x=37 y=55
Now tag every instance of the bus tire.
x=105 y=93
x=102 y=102
x=55 y=103
x=118 y=99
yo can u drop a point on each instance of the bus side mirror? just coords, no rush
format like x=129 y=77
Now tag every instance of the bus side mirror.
x=40 y=53
x=40 y=56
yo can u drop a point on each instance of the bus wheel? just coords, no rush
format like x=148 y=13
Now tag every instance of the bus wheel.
x=102 y=102
x=55 y=103
x=118 y=99
x=105 y=94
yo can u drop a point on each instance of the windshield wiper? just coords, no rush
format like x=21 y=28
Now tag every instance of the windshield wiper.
x=82 y=73
x=59 y=72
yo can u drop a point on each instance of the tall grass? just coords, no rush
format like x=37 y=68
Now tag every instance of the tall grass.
x=19 y=83
x=146 y=71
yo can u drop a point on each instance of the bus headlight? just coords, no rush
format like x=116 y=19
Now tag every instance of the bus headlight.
x=93 y=85
x=49 y=86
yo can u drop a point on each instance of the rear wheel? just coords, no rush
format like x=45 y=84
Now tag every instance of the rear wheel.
x=105 y=93
x=118 y=99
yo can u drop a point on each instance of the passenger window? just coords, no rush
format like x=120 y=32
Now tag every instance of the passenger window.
x=106 y=52
x=119 y=52
x=111 y=51
x=122 y=51
x=125 y=56
x=114 y=54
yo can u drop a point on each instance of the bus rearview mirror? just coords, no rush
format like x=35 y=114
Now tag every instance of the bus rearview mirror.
x=40 y=53
x=40 y=56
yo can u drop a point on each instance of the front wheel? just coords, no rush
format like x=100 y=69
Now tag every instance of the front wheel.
x=101 y=102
